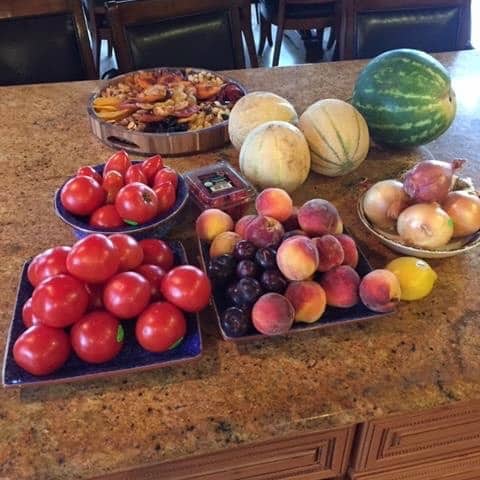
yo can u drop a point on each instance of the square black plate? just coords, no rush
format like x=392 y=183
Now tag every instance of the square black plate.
x=132 y=357
x=332 y=315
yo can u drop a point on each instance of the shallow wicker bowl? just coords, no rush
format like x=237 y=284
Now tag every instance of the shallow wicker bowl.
x=393 y=241
x=161 y=224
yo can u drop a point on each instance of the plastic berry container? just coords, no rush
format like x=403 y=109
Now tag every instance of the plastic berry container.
x=220 y=186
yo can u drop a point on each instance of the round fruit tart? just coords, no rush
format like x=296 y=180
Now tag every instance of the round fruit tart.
x=167 y=100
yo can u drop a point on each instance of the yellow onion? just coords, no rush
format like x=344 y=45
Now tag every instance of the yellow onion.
x=425 y=225
x=383 y=203
x=464 y=209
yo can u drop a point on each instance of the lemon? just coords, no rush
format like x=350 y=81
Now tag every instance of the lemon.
x=416 y=277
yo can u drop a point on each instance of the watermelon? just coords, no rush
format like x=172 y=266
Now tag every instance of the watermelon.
x=406 y=98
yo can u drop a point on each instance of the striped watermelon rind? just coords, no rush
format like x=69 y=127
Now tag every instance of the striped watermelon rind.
x=406 y=98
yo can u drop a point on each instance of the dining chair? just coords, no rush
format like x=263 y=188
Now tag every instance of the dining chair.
x=196 y=33
x=295 y=15
x=44 y=41
x=370 y=27
x=99 y=27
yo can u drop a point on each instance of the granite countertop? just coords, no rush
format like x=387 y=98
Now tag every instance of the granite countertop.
x=423 y=356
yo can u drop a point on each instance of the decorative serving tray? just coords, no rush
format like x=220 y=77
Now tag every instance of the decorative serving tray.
x=175 y=143
x=132 y=357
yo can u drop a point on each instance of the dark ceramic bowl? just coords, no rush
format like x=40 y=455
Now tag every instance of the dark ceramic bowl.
x=132 y=357
x=161 y=225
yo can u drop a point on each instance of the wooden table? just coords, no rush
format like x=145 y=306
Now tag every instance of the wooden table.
x=408 y=385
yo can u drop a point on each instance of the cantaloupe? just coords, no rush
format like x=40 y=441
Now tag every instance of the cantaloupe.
x=254 y=109
x=337 y=135
x=275 y=154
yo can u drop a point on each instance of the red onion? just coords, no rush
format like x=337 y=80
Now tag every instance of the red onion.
x=431 y=180
x=425 y=225
x=464 y=209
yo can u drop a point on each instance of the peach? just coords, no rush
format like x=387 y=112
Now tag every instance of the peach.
x=224 y=243
x=341 y=286
x=275 y=203
x=308 y=300
x=242 y=223
x=291 y=223
x=318 y=217
x=297 y=258
x=350 y=251
x=212 y=222
x=380 y=290
x=273 y=314
x=330 y=252
x=264 y=231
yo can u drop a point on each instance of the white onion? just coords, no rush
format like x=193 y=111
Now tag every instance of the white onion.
x=383 y=203
x=425 y=225
x=464 y=209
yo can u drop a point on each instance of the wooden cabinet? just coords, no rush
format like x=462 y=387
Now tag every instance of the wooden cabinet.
x=315 y=456
x=436 y=444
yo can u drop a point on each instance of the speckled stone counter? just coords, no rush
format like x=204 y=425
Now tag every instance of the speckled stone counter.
x=425 y=355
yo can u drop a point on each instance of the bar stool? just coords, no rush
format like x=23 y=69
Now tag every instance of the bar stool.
x=371 y=27
x=295 y=15
x=44 y=42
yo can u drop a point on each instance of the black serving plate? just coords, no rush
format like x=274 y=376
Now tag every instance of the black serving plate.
x=132 y=357
x=332 y=315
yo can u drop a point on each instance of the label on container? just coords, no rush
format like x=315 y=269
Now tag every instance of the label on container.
x=216 y=182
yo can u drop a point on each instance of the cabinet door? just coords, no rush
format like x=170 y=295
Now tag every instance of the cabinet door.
x=464 y=467
x=312 y=456
x=411 y=439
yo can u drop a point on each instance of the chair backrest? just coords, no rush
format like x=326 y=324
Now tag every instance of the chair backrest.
x=173 y=33
x=43 y=41
x=370 y=27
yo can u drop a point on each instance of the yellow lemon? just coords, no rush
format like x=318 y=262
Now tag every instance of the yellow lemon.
x=416 y=277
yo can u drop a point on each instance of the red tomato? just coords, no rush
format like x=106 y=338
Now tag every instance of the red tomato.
x=93 y=259
x=135 y=174
x=119 y=162
x=154 y=275
x=160 y=327
x=112 y=184
x=166 y=174
x=41 y=350
x=151 y=166
x=187 y=287
x=136 y=203
x=126 y=295
x=157 y=252
x=28 y=317
x=131 y=253
x=59 y=301
x=90 y=172
x=47 y=264
x=106 y=217
x=95 y=296
x=165 y=195
x=97 y=337
x=82 y=195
